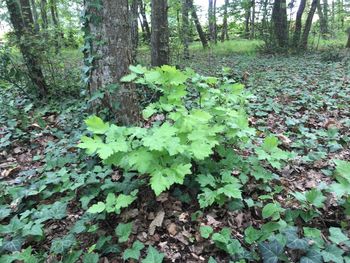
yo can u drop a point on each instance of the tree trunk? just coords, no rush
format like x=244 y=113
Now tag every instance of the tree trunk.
x=134 y=28
x=280 y=25
x=22 y=21
x=144 y=23
x=252 y=24
x=185 y=28
x=211 y=23
x=308 y=24
x=199 y=28
x=43 y=13
x=325 y=15
x=323 y=25
x=224 y=33
x=111 y=48
x=298 y=24
x=160 y=33
x=54 y=15
x=246 y=23
x=348 y=43
x=35 y=16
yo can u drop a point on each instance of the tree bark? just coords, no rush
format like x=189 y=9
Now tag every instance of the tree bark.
x=111 y=48
x=199 y=28
x=298 y=23
x=144 y=22
x=224 y=33
x=185 y=28
x=348 y=43
x=160 y=33
x=54 y=15
x=280 y=25
x=246 y=22
x=43 y=13
x=308 y=24
x=134 y=28
x=22 y=21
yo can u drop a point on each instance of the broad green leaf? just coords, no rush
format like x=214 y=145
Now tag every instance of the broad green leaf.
x=206 y=231
x=97 y=208
x=315 y=197
x=134 y=251
x=90 y=258
x=313 y=256
x=343 y=169
x=153 y=256
x=123 y=232
x=123 y=201
x=337 y=236
x=96 y=125
x=271 y=252
x=333 y=254
x=61 y=245
x=272 y=210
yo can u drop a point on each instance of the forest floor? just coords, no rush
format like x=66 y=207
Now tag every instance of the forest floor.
x=304 y=100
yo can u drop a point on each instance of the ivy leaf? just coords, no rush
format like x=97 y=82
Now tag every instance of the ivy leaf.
x=60 y=245
x=97 y=208
x=337 y=236
x=333 y=254
x=123 y=232
x=251 y=235
x=315 y=235
x=134 y=251
x=96 y=125
x=313 y=256
x=271 y=252
x=315 y=197
x=293 y=241
x=206 y=231
x=153 y=256
x=90 y=258
x=4 y=212
x=72 y=257
x=15 y=244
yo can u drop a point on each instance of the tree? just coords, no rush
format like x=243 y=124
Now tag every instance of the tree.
x=323 y=21
x=43 y=13
x=35 y=15
x=348 y=43
x=212 y=20
x=22 y=21
x=111 y=49
x=199 y=28
x=224 y=33
x=134 y=28
x=144 y=22
x=280 y=25
x=160 y=33
x=298 y=23
x=308 y=24
x=185 y=27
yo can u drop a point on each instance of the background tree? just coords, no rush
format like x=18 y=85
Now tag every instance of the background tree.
x=185 y=7
x=21 y=18
x=160 y=33
x=198 y=25
x=224 y=32
x=134 y=27
x=112 y=52
x=308 y=24
x=212 y=20
x=280 y=24
x=298 y=24
x=144 y=22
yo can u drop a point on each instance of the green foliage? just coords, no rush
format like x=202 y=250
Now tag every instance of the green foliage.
x=123 y=232
x=153 y=256
x=134 y=251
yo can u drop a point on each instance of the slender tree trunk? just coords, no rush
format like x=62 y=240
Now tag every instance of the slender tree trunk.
x=185 y=27
x=252 y=25
x=215 y=24
x=298 y=24
x=111 y=46
x=22 y=21
x=160 y=33
x=246 y=23
x=224 y=33
x=145 y=24
x=199 y=28
x=212 y=22
x=308 y=24
x=348 y=43
x=134 y=28
x=280 y=24
x=325 y=15
x=35 y=15
x=43 y=13
x=323 y=25
x=54 y=15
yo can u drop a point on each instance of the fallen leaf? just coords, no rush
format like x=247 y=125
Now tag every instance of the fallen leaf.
x=157 y=222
